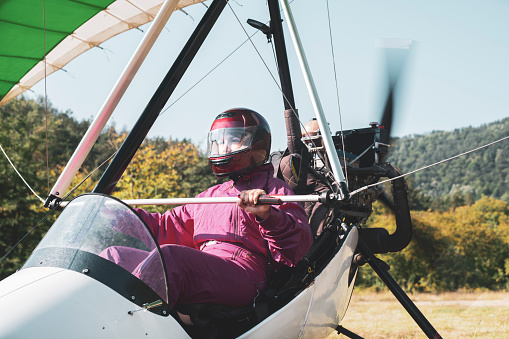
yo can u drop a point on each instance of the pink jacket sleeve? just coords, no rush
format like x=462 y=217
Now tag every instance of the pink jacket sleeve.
x=172 y=227
x=288 y=233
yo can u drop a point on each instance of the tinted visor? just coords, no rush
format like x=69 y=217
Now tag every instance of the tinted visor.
x=226 y=141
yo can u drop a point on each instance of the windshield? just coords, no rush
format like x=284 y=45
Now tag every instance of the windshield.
x=104 y=238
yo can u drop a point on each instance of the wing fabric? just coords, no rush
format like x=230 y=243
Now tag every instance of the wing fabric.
x=63 y=30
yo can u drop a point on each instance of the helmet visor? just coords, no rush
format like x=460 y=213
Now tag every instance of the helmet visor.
x=226 y=141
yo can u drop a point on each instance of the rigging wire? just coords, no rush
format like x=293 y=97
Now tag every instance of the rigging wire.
x=207 y=74
x=56 y=206
x=428 y=166
x=259 y=54
x=45 y=88
x=337 y=94
x=274 y=54
x=89 y=175
x=26 y=235
x=45 y=109
x=249 y=38
x=214 y=68
x=10 y=162
x=227 y=57
x=279 y=87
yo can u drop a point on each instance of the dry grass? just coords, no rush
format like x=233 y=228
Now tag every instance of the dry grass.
x=454 y=315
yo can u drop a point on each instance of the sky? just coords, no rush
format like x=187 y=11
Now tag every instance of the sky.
x=456 y=74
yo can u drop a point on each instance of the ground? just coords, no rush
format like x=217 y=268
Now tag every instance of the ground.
x=478 y=314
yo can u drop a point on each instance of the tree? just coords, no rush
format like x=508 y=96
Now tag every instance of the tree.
x=159 y=169
x=23 y=138
x=464 y=247
x=484 y=172
x=178 y=169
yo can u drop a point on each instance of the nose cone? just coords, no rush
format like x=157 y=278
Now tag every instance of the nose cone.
x=55 y=303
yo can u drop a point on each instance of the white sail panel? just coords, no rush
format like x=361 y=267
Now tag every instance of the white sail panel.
x=120 y=16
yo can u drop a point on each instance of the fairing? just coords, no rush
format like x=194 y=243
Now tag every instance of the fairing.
x=50 y=302
x=67 y=289
x=90 y=228
x=316 y=311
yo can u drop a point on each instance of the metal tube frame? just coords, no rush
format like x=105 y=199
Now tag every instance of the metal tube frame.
x=281 y=55
x=292 y=122
x=111 y=103
x=315 y=101
x=213 y=200
x=398 y=292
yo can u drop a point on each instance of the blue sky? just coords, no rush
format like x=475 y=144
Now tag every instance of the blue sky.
x=457 y=74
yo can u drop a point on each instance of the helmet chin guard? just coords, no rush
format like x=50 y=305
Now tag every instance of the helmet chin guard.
x=239 y=140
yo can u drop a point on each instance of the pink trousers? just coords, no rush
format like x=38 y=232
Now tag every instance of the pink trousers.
x=220 y=273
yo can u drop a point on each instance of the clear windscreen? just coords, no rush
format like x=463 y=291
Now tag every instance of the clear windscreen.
x=105 y=227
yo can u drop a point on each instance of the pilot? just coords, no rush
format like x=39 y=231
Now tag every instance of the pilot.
x=222 y=253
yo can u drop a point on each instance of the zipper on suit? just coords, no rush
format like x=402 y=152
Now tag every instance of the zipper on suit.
x=236 y=217
x=236 y=223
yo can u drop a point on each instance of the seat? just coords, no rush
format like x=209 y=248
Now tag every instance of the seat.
x=218 y=321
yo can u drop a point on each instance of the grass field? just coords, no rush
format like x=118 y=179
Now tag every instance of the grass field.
x=454 y=315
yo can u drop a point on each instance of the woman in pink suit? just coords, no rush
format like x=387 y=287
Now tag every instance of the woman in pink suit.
x=219 y=253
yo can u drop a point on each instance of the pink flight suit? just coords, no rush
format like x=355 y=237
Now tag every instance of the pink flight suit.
x=218 y=253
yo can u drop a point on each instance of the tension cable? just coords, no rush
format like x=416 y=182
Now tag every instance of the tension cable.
x=71 y=191
x=26 y=235
x=53 y=208
x=10 y=162
x=249 y=38
x=337 y=92
x=45 y=88
x=207 y=74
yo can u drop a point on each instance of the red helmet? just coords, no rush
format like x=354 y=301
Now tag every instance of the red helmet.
x=239 y=140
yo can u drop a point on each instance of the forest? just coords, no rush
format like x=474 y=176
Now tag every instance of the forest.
x=465 y=179
x=459 y=209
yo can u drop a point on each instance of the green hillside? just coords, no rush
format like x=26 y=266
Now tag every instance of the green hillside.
x=468 y=178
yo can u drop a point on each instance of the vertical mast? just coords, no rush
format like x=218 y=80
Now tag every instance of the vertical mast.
x=110 y=104
x=281 y=55
x=291 y=115
x=293 y=130
x=317 y=106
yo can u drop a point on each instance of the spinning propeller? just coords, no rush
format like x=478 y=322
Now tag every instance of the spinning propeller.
x=396 y=53
x=378 y=240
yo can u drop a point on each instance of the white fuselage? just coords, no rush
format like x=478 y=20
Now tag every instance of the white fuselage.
x=48 y=302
